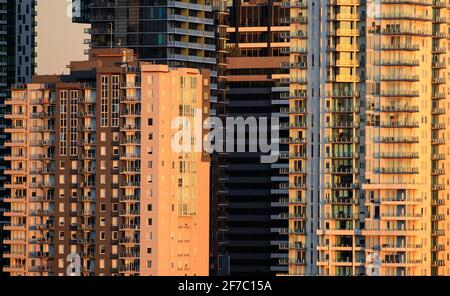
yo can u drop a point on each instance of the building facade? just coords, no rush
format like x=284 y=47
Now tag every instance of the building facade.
x=94 y=181
x=17 y=64
x=174 y=33
x=372 y=138
x=252 y=199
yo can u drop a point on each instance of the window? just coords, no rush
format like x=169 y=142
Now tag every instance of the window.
x=115 y=100
x=104 y=100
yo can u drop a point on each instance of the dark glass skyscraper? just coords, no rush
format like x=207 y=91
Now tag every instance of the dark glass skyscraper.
x=253 y=204
x=175 y=33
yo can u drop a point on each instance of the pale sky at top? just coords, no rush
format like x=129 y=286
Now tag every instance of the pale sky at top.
x=59 y=41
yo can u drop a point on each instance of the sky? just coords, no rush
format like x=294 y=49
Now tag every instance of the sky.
x=59 y=41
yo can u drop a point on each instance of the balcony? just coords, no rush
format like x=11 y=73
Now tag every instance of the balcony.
x=14 y=269
x=437 y=172
x=295 y=4
x=41 y=213
x=344 y=32
x=130 y=141
x=403 y=31
x=341 y=139
x=438 y=80
x=396 y=170
x=345 y=63
x=293 y=140
x=398 y=47
x=130 y=170
x=396 y=108
x=437 y=141
x=402 y=16
x=437 y=217
x=298 y=50
x=398 y=93
x=86 y=212
x=400 y=200
x=437 y=232
x=129 y=240
x=295 y=35
x=295 y=20
x=439 y=50
x=129 y=198
x=292 y=246
x=293 y=110
x=341 y=201
x=342 y=124
x=86 y=113
x=130 y=99
x=347 y=78
x=294 y=231
x=399 y=124
x=438 y=65
x=287 y=155
x=394 y=155
x=396 y=140
x=437 y=202
x=401 y=216
x=438 y=96
x=130 y=127
x=344 y=155
x=41 y=241
x=343 y=2
x=130 y=156
x=405 y=77
x=439 y=35
x=14 y=143
x=14 y=115
x=129 y=255
x=129 y=113
x=15 y=185
x=344 y=186
x=344 y=47
x=436 y=187
x=415 y=2
x=129 y=212
x=131 y=184
x=342 y=109
x=125 y=227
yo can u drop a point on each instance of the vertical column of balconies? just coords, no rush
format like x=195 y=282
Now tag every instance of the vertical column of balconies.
x=296 y=230
x=398 y=64
x=340 y=247
x=438 y=119
x=16 y=237
x=40 y=216
x=87 y=169
x=130 y=165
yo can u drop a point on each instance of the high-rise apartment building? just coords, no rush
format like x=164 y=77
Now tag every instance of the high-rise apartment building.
x=184 y=33
x=252 y=220
x=17 y=63
x=371 y=143
x=94 y=178
x=406 y=154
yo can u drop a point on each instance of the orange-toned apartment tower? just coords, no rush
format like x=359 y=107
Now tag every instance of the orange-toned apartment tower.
x=95 y=187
